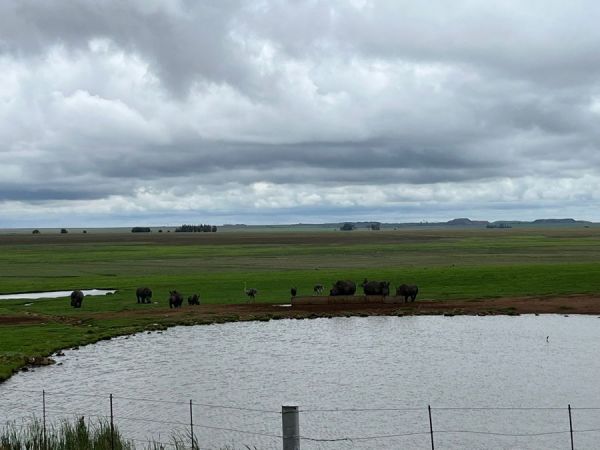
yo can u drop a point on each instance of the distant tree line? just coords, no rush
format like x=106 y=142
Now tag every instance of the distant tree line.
x=196 y=229
x=140 y=230
x=498 y=225
x=350 y=226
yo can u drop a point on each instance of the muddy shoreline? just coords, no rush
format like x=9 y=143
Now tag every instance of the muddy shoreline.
x=570 y=304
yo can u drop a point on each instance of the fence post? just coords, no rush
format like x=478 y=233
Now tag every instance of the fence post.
x=290 y=423
x=571 y=427
x=191 y=424
x=430 y=427
x=112 y=425
x=44 y=417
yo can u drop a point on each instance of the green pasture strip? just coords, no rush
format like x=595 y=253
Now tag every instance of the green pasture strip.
x=43 y=266
x=84 y=253
x=440 y=283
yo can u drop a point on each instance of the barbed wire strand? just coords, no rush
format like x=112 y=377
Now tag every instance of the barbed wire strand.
x=359 y=409
x=149 y=400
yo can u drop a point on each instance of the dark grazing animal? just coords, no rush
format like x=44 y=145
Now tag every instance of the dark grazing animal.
x=343 y=287
x=376 y=287
x=76 y=298
x=251 y=293
x=175 y=299
x=293 y=291
x=144 y=295
x=318 y=289
x=194 y=300
x=406 y=291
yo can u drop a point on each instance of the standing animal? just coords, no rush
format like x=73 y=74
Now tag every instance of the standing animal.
x=76 y=298
x=175 y=299
x=343 y=287
x=318 y=289
x=194 y=300
x=293 y=291
x=376 y=287
x=406 y=291
x=251 y=293
x=144 y=295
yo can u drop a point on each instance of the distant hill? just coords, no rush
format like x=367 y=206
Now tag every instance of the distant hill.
x=359 y=226
x=458 y=222
x=557 y=221
x=465 y=221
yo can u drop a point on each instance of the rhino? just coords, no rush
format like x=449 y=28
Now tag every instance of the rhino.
x=194 y=300
x=76 y=298
x=175 y=299
x=343 y=287
x=376 y=287
x=406 y=291
x=144 y=295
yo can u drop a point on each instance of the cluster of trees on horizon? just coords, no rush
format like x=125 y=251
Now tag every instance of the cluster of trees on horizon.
x=349 y=226
x=196 y=229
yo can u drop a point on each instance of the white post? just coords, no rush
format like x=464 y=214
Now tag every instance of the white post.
x=290 y=420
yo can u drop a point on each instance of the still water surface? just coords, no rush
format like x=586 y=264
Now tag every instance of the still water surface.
x=362 y=382
x=53 y=294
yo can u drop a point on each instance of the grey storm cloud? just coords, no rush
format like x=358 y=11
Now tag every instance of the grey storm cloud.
x=139 y=107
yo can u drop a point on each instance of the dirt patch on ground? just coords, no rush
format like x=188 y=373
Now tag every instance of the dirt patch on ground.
x=22 y=320
x=572 y=304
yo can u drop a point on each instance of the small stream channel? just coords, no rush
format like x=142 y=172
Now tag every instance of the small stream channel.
x=53 y=294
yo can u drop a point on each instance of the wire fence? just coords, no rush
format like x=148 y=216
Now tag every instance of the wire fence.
x=192 y=424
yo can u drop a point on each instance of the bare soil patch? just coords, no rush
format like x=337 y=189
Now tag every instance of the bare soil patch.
x=572 y=304
x=21 y=320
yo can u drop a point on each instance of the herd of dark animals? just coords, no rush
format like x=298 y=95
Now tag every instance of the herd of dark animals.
x=347 y=287
x=341 y=287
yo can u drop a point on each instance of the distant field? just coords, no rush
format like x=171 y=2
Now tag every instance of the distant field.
x=445 y=263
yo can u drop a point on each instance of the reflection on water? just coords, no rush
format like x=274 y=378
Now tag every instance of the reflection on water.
x=382 y=371
x=53 y=294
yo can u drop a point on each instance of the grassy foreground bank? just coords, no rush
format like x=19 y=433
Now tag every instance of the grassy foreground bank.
x=76 y=435
x=448 y=265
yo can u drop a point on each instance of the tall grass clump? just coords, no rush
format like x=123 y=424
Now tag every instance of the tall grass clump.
x=79 y=435
x=75 y=435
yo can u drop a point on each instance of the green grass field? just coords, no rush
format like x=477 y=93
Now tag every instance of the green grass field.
x=446 y=264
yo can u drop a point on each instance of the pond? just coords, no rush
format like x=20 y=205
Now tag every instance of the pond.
x=493 y=382
x=53 y=294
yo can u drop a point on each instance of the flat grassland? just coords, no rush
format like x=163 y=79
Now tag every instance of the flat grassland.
x=457 y=270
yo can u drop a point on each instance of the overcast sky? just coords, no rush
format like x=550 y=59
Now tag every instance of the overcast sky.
x=138 y=112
